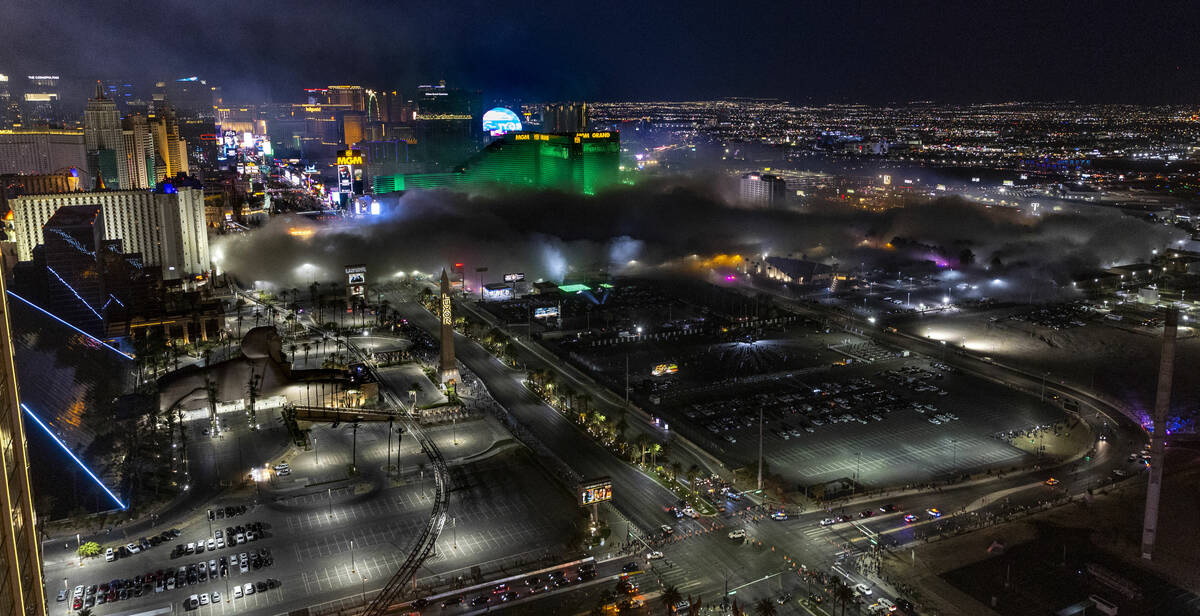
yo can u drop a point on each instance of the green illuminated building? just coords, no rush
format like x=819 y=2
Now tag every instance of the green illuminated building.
x=578 y=162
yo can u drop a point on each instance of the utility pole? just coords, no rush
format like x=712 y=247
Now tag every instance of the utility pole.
x=627 y=380
x=760 y=447
x=354 y=449
x=1162 y=405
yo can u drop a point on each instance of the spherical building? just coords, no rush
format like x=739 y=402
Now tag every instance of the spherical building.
x=500 y=120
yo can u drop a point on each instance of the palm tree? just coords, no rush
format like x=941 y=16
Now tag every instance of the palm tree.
x=676 y=468
x=692 y=473
x=670 y=598
x=643 y=443
x=842 y=592
x=764 y=607
x=239 y=304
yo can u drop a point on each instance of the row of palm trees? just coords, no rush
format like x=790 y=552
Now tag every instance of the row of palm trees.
x=611 y=431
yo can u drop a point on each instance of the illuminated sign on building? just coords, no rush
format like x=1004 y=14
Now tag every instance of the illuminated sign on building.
x=447 y=316
x=356 y=281
x=349 y=157
x=595 y=491
x=545 y=313
x=500 y=120
x=514 y=277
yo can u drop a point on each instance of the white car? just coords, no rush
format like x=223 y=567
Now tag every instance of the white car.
x=78 y=591
x=248 y=589
x=862 y=589
x=828 y=522
x=654 y=555
x=216 y=597
x=133 y=548
x=110 y=555
x=886 y=604
x=779 y=515
x=237 y=592
x=737 y=534
x=204 y=598
x=210 y=545
x=220 y=543
x=241 y=538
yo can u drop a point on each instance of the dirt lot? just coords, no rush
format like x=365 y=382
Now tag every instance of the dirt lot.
x=1045 y=554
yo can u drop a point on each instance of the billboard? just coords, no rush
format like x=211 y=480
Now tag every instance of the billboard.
x=595 y=491
x=545 y=312
x=664 y=369
x=500 y=120
x=356 y=274
x=497 y=294
x=514 y=277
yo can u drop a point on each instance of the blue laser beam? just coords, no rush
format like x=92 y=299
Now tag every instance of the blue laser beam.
x=55 y=317
x=73 y=291
x=73 y=456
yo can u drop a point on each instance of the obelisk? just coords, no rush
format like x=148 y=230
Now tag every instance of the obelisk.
x=447 y=368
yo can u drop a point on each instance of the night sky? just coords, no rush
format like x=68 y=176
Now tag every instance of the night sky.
x=873 y=52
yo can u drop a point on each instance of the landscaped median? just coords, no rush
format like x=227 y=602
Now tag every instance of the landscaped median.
x=609 y=434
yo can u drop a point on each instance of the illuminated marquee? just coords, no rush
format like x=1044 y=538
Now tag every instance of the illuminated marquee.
x=447 y=319
x=349 y=157
x=595 y=491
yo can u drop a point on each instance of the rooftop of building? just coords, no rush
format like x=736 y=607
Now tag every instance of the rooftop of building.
x=73 y=215
x=798 y=268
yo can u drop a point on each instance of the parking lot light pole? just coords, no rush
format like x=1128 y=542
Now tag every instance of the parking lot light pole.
x=352 y=567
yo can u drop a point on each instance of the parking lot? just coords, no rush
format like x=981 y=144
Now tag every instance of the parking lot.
x=331 y=541
x=896 y=422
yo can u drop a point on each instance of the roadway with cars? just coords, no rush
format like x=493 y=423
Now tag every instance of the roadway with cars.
x=700 y=556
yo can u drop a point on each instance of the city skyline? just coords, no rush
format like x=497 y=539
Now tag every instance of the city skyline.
x=804 y=53
x=631 y=309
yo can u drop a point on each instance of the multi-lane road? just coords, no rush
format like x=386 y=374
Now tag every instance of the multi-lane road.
x=701 y=559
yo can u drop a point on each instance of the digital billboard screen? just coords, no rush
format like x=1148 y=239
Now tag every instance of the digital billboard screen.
x=595 y=491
